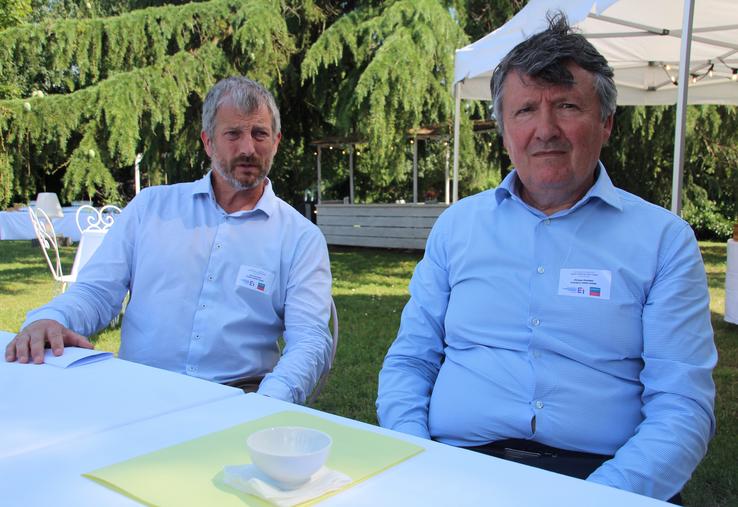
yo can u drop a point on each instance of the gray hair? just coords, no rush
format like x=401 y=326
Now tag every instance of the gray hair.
x=242 y=92
x=544 y=57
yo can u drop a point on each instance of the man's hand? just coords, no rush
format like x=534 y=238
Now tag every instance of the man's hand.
x=32 y=340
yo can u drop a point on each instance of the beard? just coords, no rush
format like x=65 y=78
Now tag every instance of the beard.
x=226 y=170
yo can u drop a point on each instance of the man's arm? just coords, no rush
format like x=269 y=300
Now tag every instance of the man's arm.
x=678 y=391
x=307 y=306
x=89 y=304
x=410 y=369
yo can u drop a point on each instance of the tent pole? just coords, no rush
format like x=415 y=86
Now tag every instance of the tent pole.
x=137 y=173
x=681 y=112
x=457 y=120
x=445 y=172
x=351 y=174
x=319 y=153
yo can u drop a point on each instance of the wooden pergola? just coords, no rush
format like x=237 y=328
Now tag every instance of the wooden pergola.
x=430 y=132
x=340 y=143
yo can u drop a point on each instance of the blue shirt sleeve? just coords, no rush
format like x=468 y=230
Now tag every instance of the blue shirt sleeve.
x=678 y=391
x=308 y=343
x=414 y=359
x=96 y=297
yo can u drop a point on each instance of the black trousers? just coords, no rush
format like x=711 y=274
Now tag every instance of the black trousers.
x=571 y=463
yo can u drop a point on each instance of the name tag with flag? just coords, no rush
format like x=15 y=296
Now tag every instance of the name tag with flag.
x=257 y=279
x=585 y=283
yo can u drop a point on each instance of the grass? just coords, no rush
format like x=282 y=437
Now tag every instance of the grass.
x=370 y=290
x=26 y=283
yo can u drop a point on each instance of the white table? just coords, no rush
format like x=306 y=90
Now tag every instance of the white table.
x=43 y=405
x=17 y=224
x=441 y=475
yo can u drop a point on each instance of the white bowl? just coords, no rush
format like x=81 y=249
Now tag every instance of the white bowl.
x=289 y=455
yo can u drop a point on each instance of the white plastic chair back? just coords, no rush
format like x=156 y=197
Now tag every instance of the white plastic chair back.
x=327 y=370
x=92 y=219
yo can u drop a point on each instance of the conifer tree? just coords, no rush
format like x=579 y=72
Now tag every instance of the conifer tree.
x=84 y=96
x=392 y=65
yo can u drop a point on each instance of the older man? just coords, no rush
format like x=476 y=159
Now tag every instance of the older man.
x=557 y=320
x=217 y=269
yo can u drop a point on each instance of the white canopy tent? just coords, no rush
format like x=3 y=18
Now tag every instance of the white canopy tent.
x=642 y=40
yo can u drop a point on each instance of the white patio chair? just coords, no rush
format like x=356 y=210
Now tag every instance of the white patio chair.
x=334 y=327
x=93 y=224
x=89 y=242
x=92 y=219
x=46 y=236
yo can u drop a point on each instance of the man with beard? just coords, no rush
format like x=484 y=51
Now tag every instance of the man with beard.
x=217 y=269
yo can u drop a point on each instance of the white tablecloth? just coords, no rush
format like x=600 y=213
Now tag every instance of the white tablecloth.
x=123 y=410
x=43 y=405
x=17 y=224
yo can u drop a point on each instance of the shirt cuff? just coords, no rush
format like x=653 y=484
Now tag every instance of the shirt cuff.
x=413 y=428
x=45 y=314
x=600 y=477
x=274 y=388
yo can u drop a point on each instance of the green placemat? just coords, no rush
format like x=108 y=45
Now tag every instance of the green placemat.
x=190 y=473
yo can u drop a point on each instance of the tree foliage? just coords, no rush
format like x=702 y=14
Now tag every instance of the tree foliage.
x=104 y=89
x=14 y=12
x=391 y=67
x=640 y=159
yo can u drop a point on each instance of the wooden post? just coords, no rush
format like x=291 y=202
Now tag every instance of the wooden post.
x=351 y=174
x=415 y=169
x=319 y=153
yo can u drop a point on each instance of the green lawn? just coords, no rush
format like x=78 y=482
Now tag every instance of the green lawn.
x=370 y=289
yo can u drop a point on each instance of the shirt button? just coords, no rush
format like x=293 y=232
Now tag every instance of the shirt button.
x=210 y=277
x=191 y=368
x=536 y=322
x=197 y=337
x=547 y=221
x=202 y=306
x=539 y=404
x=541 y=270
x=218 y=245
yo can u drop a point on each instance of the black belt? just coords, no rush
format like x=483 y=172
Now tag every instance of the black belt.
x=515 y=448
x=246 y=384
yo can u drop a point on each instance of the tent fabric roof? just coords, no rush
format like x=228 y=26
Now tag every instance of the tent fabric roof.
x=640 y=39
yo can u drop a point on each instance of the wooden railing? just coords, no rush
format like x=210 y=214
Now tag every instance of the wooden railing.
x=378 y=225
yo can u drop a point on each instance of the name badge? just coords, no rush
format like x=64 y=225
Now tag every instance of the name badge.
x=585 y=283
x=256 y=279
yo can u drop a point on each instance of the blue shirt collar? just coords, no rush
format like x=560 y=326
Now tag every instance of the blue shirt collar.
x=266 y=204
x=602 y=189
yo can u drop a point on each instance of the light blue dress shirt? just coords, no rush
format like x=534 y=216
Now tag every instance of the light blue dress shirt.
x=210 y=291
x=595 y=321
